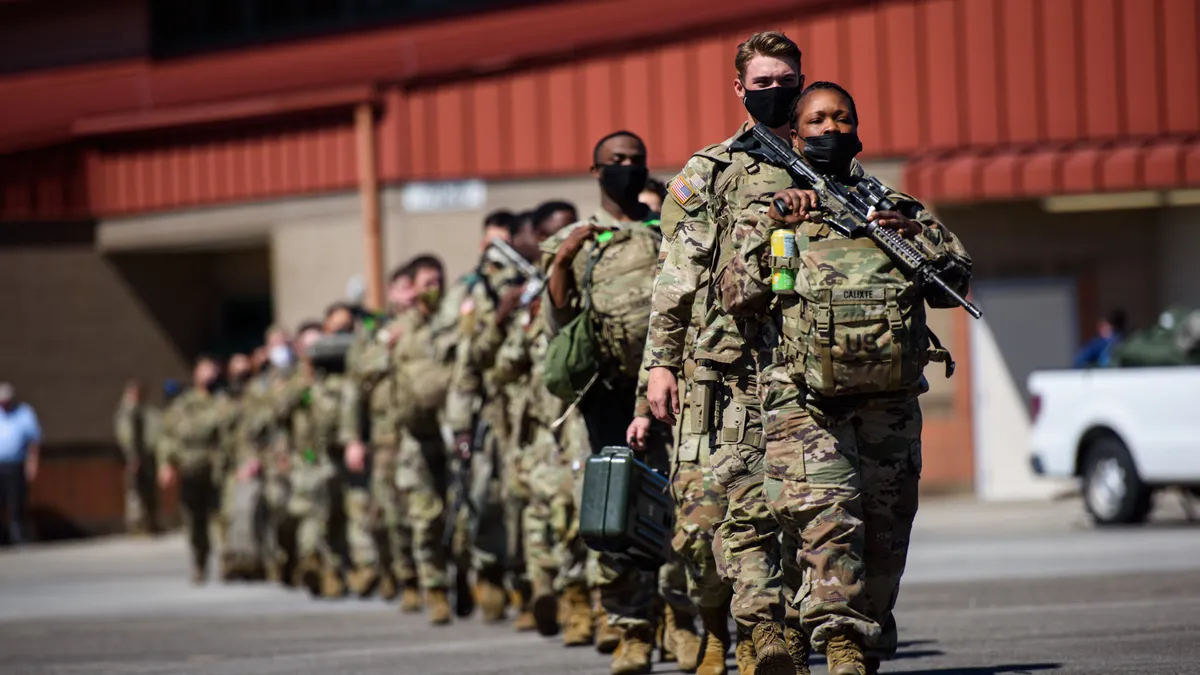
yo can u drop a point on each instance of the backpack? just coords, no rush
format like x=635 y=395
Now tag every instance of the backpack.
x=856 y=324
x=608 y=335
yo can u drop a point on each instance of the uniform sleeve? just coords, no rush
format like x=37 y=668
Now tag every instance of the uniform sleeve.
x=690 y=245
x=167 y=447
x=123 y=422
x=937 y=241
x=512 y=358
x=744 y=285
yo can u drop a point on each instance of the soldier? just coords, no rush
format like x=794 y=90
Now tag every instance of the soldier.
x=193 y=438
x=422 y=378
x=619 y=256
x=243 y=504
x=843 y=424
x=310 y=404
x=379 y=541
x=532 y=410
x=476 y=415
x=137 y=425
x=697 y=214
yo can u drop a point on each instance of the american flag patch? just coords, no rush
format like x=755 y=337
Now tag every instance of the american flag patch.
x=681 y=190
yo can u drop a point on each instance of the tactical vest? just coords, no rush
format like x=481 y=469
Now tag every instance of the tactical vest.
x=620 y=281
x=856 y=324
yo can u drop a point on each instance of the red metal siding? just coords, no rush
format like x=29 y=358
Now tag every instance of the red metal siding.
x=975 y=85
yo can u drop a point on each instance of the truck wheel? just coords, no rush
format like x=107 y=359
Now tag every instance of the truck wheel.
x=1112 y=491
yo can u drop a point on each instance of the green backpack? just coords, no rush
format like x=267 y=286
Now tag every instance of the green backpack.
x=572 y=361
x=1174 y=341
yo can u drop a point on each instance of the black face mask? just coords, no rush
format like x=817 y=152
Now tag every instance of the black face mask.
x=832 y=153
x=623 y=182
x=772 y=107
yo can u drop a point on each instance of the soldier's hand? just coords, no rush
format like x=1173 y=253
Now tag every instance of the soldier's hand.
x=509 y=302
x=636 y=434
x=894 y=220
x=166 y=476
x=462 y=445
x=800 y=203
x=663 y=394
x=574 y=242
x=356 y=457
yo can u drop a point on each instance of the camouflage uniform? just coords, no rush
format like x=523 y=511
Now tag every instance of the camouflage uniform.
x=251 y=423
x=311 y=404
x=195 y=431
x=137 y=428
x=842 y=472
x=697 y=231
x=422 y=378
x=476 y=398
x=608 y=408
x=380 y=540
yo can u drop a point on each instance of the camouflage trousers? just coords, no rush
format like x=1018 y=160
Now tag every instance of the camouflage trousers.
x=200 y=500
x=843 y=480
x=748 y=547
x=572 y=554
x=310 y=511
x=486 y=521
x=699 y=505
x=378 y=535
x=141 y=496
x=421 y=479
x=279 y=544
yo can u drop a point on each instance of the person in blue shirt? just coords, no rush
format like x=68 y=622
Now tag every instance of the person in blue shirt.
x=1098 y=352
x=20 y=438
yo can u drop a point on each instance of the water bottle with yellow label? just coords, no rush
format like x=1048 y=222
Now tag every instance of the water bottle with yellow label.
x=783 y=245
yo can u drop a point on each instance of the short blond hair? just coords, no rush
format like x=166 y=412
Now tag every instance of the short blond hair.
x=767 y=43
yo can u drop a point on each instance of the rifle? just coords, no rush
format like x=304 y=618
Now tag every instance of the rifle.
x=508 y=256
x=462 y=479
x=860 y=200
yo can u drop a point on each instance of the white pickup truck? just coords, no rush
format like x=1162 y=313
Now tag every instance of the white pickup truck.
x=1125 y=432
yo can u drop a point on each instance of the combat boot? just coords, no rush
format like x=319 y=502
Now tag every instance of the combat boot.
x=332 y=585
x=745 y=657
x=799 y=647
x=872 y=665
x=362 y=581
x=545 y=610
x=683 y=638
x=773 y=657
x=578 y=629
x=410 y=598
x=490 y=596
x=608 y=638
x=845 y=656
x=439 y=607
x=389 y=589
x=310 y=572
x=519 y=599
x=716 y=640
x=632 y=656
x=199 y=574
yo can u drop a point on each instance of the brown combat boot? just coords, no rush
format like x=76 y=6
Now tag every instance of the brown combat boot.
x=410 y=598
x=332 y=585
x=746 y=657
x=845 y=656
x=310 y=570
x=520 y=600
x=439 y=606
x=362 y=581
x=578 y=629
x=389 y=588
x=799 y=647
x=608 y=638
x=773 y=656
x=685 y=641
x=632 y=656
x=716 y=640
x=491 y=599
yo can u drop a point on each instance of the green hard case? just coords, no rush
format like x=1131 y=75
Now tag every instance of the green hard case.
x=627 y=510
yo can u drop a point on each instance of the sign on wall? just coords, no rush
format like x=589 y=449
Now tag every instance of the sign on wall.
x=440 y=197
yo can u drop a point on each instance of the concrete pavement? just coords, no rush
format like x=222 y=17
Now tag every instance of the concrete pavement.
x=990 y=590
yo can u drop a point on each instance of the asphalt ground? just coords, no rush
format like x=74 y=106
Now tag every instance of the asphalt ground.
x=990 y=590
